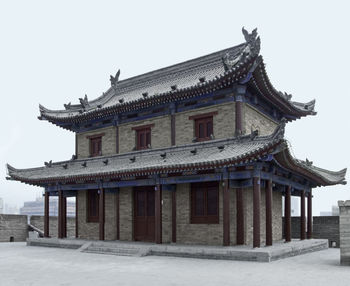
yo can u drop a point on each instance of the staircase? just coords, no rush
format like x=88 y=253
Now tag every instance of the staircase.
x=114 y=249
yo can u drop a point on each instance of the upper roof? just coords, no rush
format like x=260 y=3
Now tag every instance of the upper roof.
x=238 y=64
x=196 y=156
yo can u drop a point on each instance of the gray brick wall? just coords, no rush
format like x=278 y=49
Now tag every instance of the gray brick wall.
x=255 y=120
x=344 y=213
x=324 y=227
x=38 y=221
x=15 y=226
x=166 y=216
x=108 y=142
x=126 y=213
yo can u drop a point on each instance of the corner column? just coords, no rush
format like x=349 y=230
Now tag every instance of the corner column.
x=60 y=214
x=46 y=215
x=287 y=214
x=268 y=197
x=64 y=222
x=158 y=213
x=173 y=216
x=256 y=211
x=226 y=212
x=309 y=215
x=76 y=216
x=172 y=123
x=302 y=215
x=101 y=214
x=240 y=216
x=117 y=202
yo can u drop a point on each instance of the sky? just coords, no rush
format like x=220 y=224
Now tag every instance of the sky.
x=53 y=52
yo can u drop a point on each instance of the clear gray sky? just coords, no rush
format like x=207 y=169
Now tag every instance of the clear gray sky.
x=53 y=52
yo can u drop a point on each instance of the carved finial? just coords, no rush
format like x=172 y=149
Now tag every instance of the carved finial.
x=65 y=166
x=114 y=79
x=48 y=164
x=121 y=100
x=194 y=151
x=221 y=147
x=253 y=134
x=74 y=157
x=202 y=79
x=105 y=162
x=163 y=155
x=67 y=106
x=84 y=164
x=84 y=101
x=133 y=159
x=174 y=87
x=145 y=94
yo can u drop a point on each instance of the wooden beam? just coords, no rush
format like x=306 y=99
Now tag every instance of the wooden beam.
x=302 y=215
x=203 y=115
x=226 y=213
x=158 y=214
x=173 y=216
x=287 y=214
x=117 y=205
x=240 y=216
x=101 y=214
x=47 y=215
x=268 y=204
x=256 y=212
x=309 y=215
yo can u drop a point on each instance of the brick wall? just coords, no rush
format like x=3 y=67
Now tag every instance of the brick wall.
x=126 y=213
x=344 y=212
x=324 y=227
x=255 y=120
x=108 y=142
x=38 y=222
x=13 y=226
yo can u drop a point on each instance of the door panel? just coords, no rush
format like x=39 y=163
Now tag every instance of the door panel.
x=144 y=220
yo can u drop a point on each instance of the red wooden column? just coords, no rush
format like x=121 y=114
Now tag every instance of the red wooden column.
x=256 y=211
x=46 y=215
x=226 y=212
x=309 y=215
x=302 y=215
x=158 y=213
x=76 y=216
x=117 y=203
x=64 y=228
x=60 y=214
x=240 y=216
x=268 y=197
x=173 y=215
x=101 y=215
x=287 y=213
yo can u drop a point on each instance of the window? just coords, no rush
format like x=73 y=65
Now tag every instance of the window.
x=95 y=146
x=205 y=203
x=92 y=206
x=204 y=128
x=143 y=137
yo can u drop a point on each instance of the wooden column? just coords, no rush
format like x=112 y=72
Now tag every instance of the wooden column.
x=173 y=132
x=226 y=213
x=239 y=120
x=287 y=212
x=117 y=203
x=309 y=215
x=268 y=197
x=256 y=212
x=158 y=213
x=173 y=216
x=47 y=215
x=76 y=216
x=117 y=139
x=60 y=214
x=240 y=216
x=302 y=215
x=64 y=219
x=101 y=215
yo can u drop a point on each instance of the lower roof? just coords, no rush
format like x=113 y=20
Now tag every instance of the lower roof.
x=196 y=156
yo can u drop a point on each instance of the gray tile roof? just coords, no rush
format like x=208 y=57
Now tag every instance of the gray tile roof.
x=196 y=156
x=229 y=66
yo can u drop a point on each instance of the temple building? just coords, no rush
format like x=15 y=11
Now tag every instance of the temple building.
x=192 y=153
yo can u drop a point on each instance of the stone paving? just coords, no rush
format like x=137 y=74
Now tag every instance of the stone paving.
x=22 y=265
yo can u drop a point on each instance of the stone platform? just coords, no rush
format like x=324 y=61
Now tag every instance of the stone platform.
x=241 y=253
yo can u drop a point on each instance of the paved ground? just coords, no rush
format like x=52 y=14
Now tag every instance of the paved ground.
x=23 y=265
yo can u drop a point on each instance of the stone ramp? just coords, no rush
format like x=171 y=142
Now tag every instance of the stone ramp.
x=240 y=253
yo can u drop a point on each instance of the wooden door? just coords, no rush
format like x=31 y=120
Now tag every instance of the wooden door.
x=144 y=214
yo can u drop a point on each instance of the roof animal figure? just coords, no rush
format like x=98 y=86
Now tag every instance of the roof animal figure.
x=67 y=106
x=114 y=79
x=84 y=101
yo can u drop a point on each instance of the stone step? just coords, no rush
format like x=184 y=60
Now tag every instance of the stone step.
x=116 y=250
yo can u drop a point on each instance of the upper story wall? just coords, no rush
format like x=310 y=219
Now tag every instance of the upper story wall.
x=123 y=137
